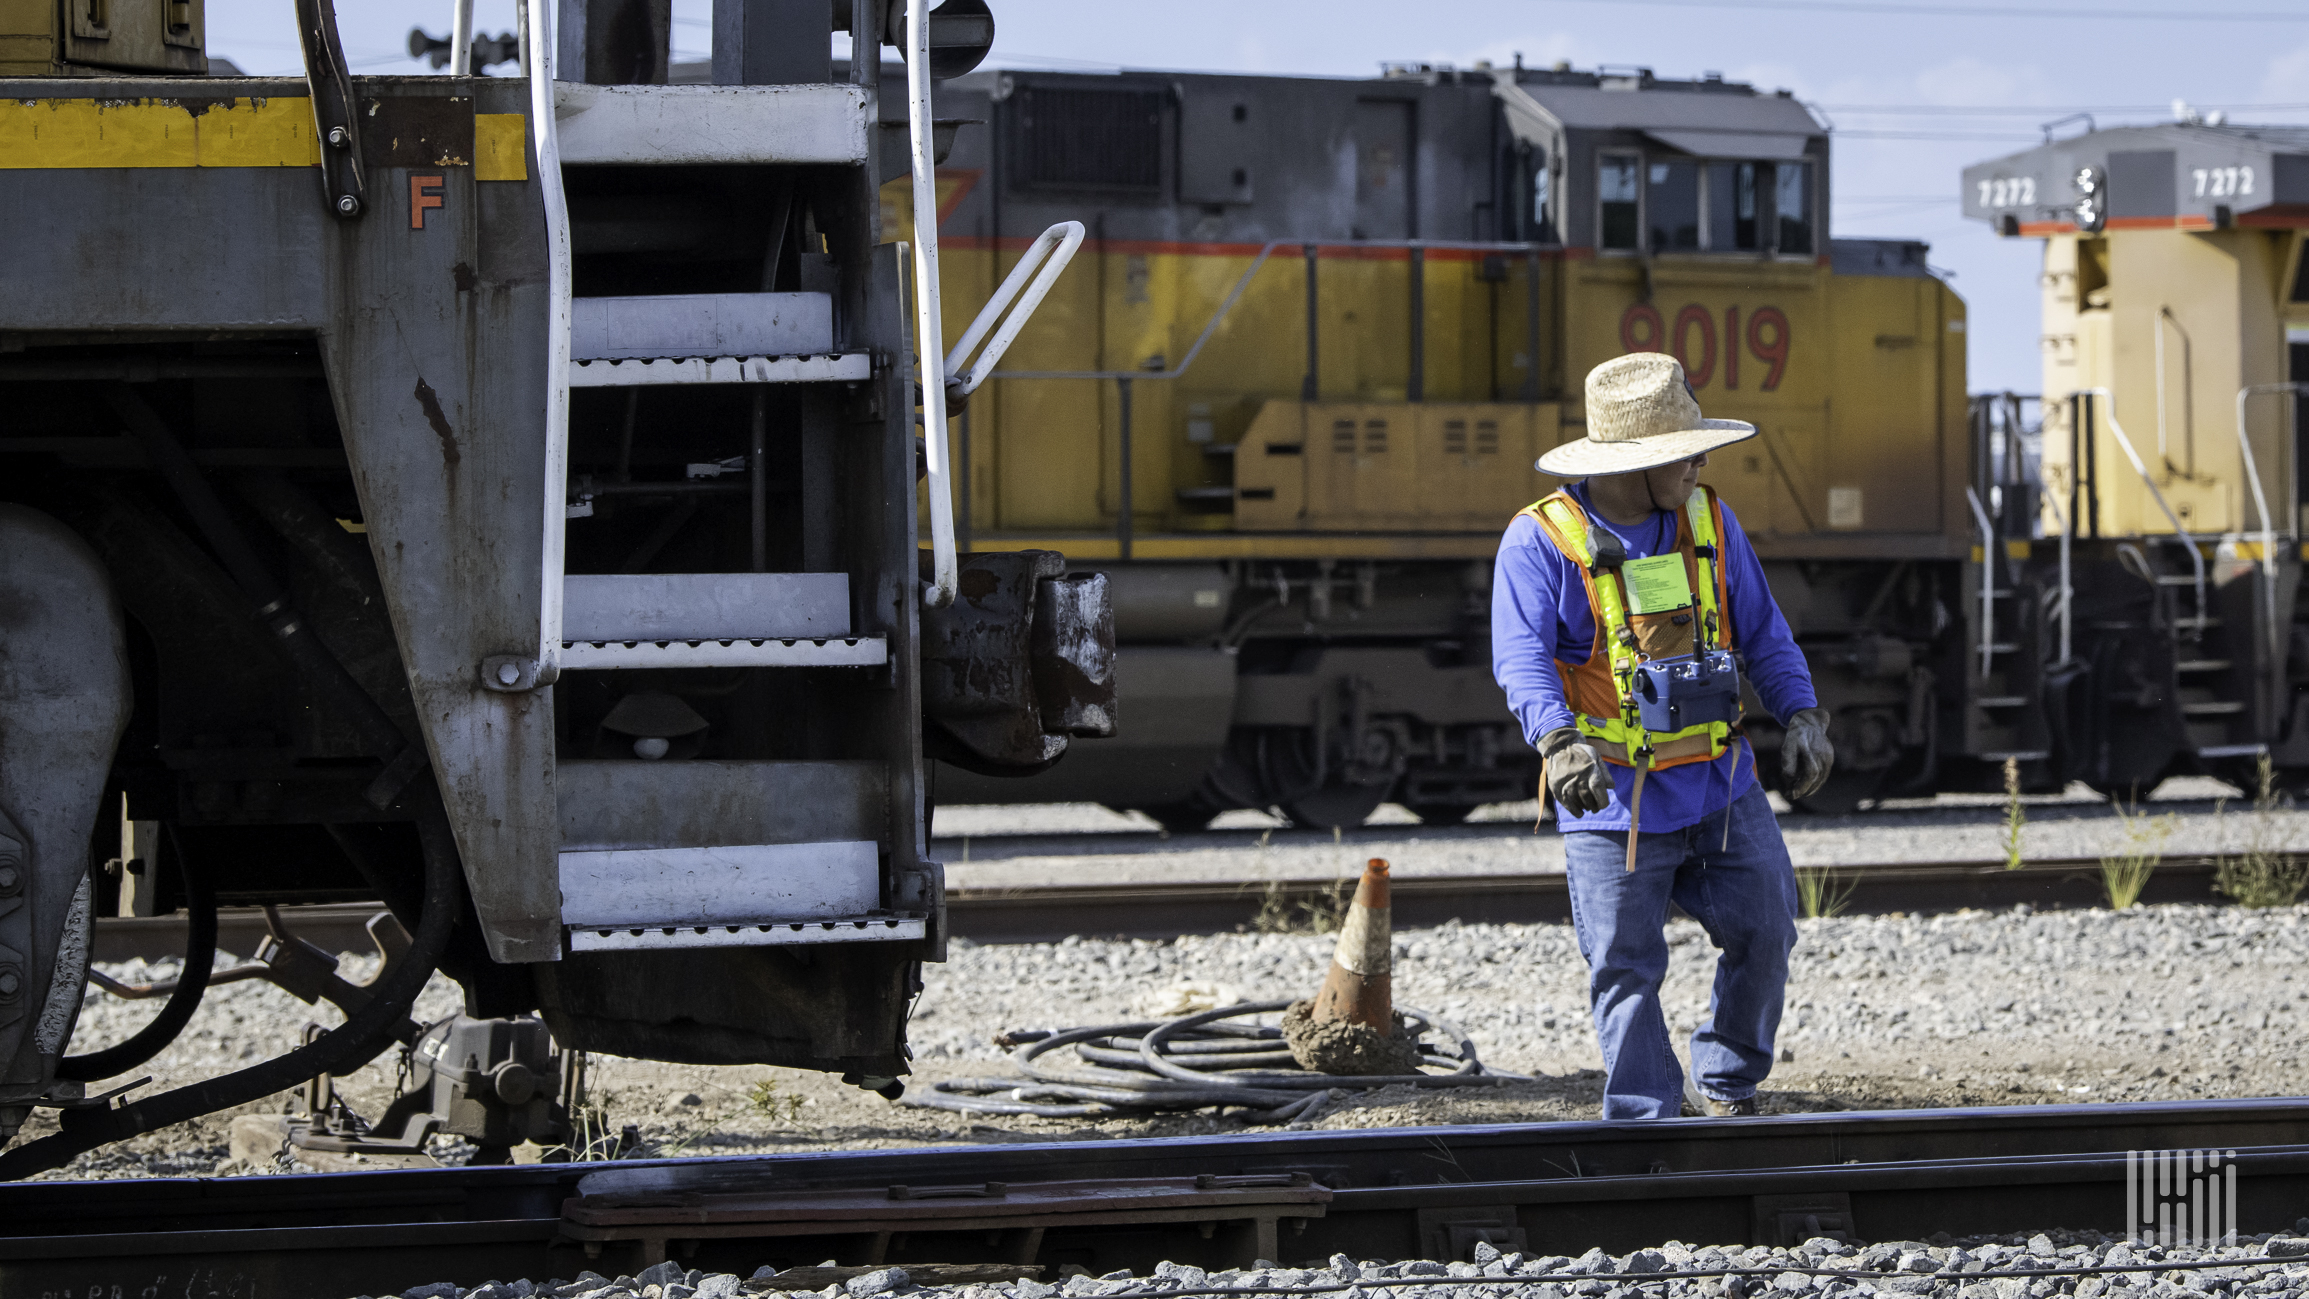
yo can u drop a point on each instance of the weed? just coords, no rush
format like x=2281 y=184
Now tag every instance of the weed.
x=1822 y=894
x=2126 y=872
x=2014 y=818
x=776 y=1103
x=2262 y=876
x=1319 y=913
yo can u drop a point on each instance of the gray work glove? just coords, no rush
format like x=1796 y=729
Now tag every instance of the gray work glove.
x=1806 y=757
x=1575 y=775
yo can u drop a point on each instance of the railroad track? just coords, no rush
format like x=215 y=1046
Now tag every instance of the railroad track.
x=1214 y=1201
x=1043 y=913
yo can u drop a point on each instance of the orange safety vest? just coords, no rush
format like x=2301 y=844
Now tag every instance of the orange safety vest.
x=1600 y=689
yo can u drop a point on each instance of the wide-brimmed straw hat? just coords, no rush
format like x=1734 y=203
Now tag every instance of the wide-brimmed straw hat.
x=1640 y=415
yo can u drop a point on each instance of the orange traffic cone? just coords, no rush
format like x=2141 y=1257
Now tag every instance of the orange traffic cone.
x=1356 y=988
x=1350 y=1027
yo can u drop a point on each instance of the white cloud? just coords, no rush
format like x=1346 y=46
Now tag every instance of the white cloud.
x=1970 y=80
x=2287 y=80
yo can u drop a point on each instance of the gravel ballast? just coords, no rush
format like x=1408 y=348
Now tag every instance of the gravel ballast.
x=1971 y=1008
x=2038 y=1265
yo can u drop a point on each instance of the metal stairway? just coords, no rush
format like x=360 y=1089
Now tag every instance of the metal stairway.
x=787 y=851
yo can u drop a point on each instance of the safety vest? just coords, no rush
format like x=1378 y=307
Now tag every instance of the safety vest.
x=1600 y=691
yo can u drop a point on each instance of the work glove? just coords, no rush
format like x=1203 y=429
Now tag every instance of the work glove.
x=1806 y=757
x=1575 y=775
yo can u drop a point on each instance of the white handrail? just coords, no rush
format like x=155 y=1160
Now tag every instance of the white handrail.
x=1058 y=245
x=2196 y=557
x=461 y=39
x=1987 y=579
x=2067 y=592
x=2261 y=507
x=928 y=328
x=546 y=141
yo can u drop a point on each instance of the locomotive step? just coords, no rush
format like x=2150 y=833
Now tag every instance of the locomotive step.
x=846 y=367
x=2213 y=708
x=681 y=325
x=668 y=126
x=2202 y=665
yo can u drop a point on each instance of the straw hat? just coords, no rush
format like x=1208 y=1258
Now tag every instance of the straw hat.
x=1640 y=415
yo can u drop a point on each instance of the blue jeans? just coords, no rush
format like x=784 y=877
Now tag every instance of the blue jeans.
x=1743 y=893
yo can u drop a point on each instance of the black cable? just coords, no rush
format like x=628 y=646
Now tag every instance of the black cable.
x=191 y=983
x=338 y=1051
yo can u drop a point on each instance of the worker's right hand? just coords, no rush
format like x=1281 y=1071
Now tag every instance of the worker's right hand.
x=1575 y=774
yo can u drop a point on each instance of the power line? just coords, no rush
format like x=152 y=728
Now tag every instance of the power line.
x=2038 y=110
x=1984 y=11
x=2006 y=136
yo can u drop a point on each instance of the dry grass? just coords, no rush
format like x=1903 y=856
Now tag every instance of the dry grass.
x=2262 y=875
x=2125 y=872
x=1822 y=893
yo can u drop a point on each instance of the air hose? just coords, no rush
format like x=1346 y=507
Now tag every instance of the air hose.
x=191 y=983
x=340 y=1050
x=1188 y=1063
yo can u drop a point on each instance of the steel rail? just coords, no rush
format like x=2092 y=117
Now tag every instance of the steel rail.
x=1154 y=909
x=1554 y=1188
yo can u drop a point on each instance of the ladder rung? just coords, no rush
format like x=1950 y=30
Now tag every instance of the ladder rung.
x=1206 y=493
x=2023 y=755
x=2202 y=665
x=2201 y=624
x=2179 y=579
x=2213 y=708
x=2001 y=701
x=848 y=366
x=2003 y=646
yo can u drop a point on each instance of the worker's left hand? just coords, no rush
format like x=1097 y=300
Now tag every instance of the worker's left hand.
x=1806 y=757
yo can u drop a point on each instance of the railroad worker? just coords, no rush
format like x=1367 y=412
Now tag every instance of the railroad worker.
x=1636 y=565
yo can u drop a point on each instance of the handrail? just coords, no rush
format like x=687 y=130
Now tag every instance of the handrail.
x=2067 y=591
x=461 y=39
x=2261 y=507
x=1053 y=249
x=546 y=138
x=2196 y=557
x=1235 y=295
x=1987 y=578
x=928 y=326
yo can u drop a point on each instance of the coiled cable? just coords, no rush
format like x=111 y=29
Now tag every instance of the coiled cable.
x=1191 y=1062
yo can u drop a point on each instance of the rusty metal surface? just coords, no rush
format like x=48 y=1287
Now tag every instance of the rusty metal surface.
x=899 y=1204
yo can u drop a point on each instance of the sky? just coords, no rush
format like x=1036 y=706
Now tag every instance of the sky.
x=1914 y=91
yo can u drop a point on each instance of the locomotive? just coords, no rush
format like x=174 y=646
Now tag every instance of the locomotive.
x=1325 y=328
x=494 y=497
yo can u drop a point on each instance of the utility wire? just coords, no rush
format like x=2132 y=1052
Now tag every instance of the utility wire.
x=1985 y=11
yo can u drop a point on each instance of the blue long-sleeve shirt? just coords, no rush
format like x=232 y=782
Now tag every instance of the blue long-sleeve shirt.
x=1540 y=613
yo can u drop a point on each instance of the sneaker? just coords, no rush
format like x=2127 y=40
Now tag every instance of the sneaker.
x=1698 y=1104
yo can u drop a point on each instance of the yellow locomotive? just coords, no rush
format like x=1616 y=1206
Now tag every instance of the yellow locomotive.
x=1321 y=331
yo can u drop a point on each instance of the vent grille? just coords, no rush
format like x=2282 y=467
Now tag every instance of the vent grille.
x=1374 y=437
x=1343 y=437
x=1091 y=139
x=1487 y=437
x=1455 y=437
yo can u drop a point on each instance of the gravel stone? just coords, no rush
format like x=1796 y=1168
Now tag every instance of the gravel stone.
x=879 y=1281
x=437 y=1290
x=720 y=1285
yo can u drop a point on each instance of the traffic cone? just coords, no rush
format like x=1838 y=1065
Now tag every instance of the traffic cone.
x=1350 y=1028
x=1356 y=988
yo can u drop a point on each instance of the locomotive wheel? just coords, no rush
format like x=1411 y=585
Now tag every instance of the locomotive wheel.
x=1335 y=807
x=1441 y=813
